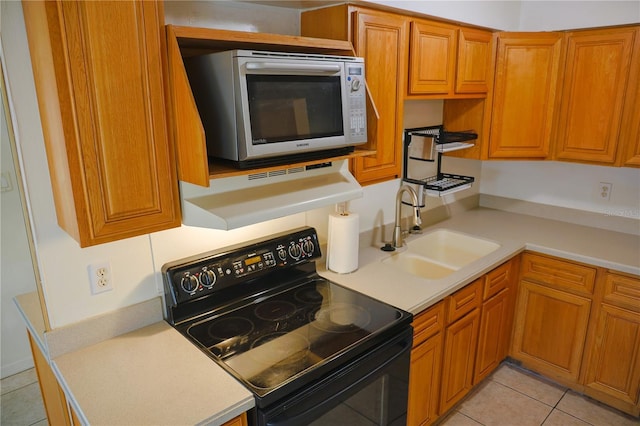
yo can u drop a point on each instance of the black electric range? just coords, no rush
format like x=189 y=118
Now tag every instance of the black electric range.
x=261 y=311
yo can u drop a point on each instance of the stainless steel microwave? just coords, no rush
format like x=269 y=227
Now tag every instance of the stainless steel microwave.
x=258 y=108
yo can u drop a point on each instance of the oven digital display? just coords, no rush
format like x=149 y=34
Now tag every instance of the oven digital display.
x=252 y=260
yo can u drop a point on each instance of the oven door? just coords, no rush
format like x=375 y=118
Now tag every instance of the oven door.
x=370 y=390
x=289 y=106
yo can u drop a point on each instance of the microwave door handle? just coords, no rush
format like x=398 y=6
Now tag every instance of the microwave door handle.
x=274 y=66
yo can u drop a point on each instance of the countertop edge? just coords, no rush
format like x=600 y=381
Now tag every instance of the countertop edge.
x=28 y=306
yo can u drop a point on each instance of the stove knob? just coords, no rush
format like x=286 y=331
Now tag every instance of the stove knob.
x=208 y=278
x=307 y=246
x=282 y=254
x=295 y=251
x=189 y=283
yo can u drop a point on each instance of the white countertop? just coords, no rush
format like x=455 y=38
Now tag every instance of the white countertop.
x=514 y=232
x=132 y=378
x=151 y=376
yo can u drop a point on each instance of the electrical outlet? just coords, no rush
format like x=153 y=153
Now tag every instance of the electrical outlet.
x=100 y=277
x=604 y=190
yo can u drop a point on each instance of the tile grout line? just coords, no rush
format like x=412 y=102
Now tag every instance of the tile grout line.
x=554 y=407
x=528 y=396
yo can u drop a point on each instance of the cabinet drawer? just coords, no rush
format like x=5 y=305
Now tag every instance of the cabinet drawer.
x=464 y=301
x=558 y=273
x=622 y=291
x=497 y=280
x=428 y=323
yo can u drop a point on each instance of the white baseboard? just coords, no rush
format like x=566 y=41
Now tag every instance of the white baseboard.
x=16 y=367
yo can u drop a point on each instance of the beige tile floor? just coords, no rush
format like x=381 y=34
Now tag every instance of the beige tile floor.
x=512 y=396
x=509 y=397
x=20 y=401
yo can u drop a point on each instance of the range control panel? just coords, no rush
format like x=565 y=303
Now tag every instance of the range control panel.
x=198 y=276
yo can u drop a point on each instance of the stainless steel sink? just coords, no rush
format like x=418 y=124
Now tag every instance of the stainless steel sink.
x=440 y=253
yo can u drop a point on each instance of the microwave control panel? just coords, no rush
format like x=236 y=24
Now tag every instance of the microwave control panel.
x=357 y=102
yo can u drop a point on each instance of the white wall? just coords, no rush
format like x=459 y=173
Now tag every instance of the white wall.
x=527 y=15
x=233 y=15
x=16 y=268
x=503 y=15
x=564 y=15
x=565 y=184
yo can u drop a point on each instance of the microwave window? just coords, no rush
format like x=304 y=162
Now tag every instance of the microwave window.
x=291 y=107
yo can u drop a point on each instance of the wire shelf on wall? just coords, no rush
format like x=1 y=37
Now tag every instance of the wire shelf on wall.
x=441 y=142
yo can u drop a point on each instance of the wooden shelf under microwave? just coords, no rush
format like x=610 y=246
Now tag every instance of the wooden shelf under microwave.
x=220 y=169
x=194 y=166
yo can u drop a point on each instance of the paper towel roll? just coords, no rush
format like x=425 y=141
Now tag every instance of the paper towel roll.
x=343 y=242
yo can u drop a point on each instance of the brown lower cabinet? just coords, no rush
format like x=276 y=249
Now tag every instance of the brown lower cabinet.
x=426 y=363
x=580 y=325
x=496 y=318
x=551 y=327
x=458 y=342
x=612 y=358
x=575 y=323
x=55 y=403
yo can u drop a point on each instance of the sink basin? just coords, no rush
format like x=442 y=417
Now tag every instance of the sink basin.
x=418 y=265
x=440 y=253
x=450 y=248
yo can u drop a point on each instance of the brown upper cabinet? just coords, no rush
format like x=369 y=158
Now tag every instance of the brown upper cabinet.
x=524 y=94
x=597 y=95
x=631 y=133
x=569 y=96
x=99 y=74
x=382 y=39
x=448 y=61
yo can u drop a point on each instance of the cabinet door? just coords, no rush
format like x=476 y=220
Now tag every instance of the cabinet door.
x=593 y=96
x=424 y=381
x=241 y=420
x=474 y=61
x=614 y=365
x=98 y=67
x=381 y=38
x=495 y=330
x=630 y=133
x=550 y=330
x=524 y=94
x=55 y=403
x=632 y=154
x=432 y=58
x=460 y=342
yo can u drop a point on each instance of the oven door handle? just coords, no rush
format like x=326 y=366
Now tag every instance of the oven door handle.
x=329 y=392
x=276 y=66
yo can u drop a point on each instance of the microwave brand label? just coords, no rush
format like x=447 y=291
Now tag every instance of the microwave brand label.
x=257 y=141
x=300 y=145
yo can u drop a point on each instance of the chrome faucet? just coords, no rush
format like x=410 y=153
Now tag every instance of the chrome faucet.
x=397 y=230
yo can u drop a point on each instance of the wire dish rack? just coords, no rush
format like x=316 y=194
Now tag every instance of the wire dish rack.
x=441 y=142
